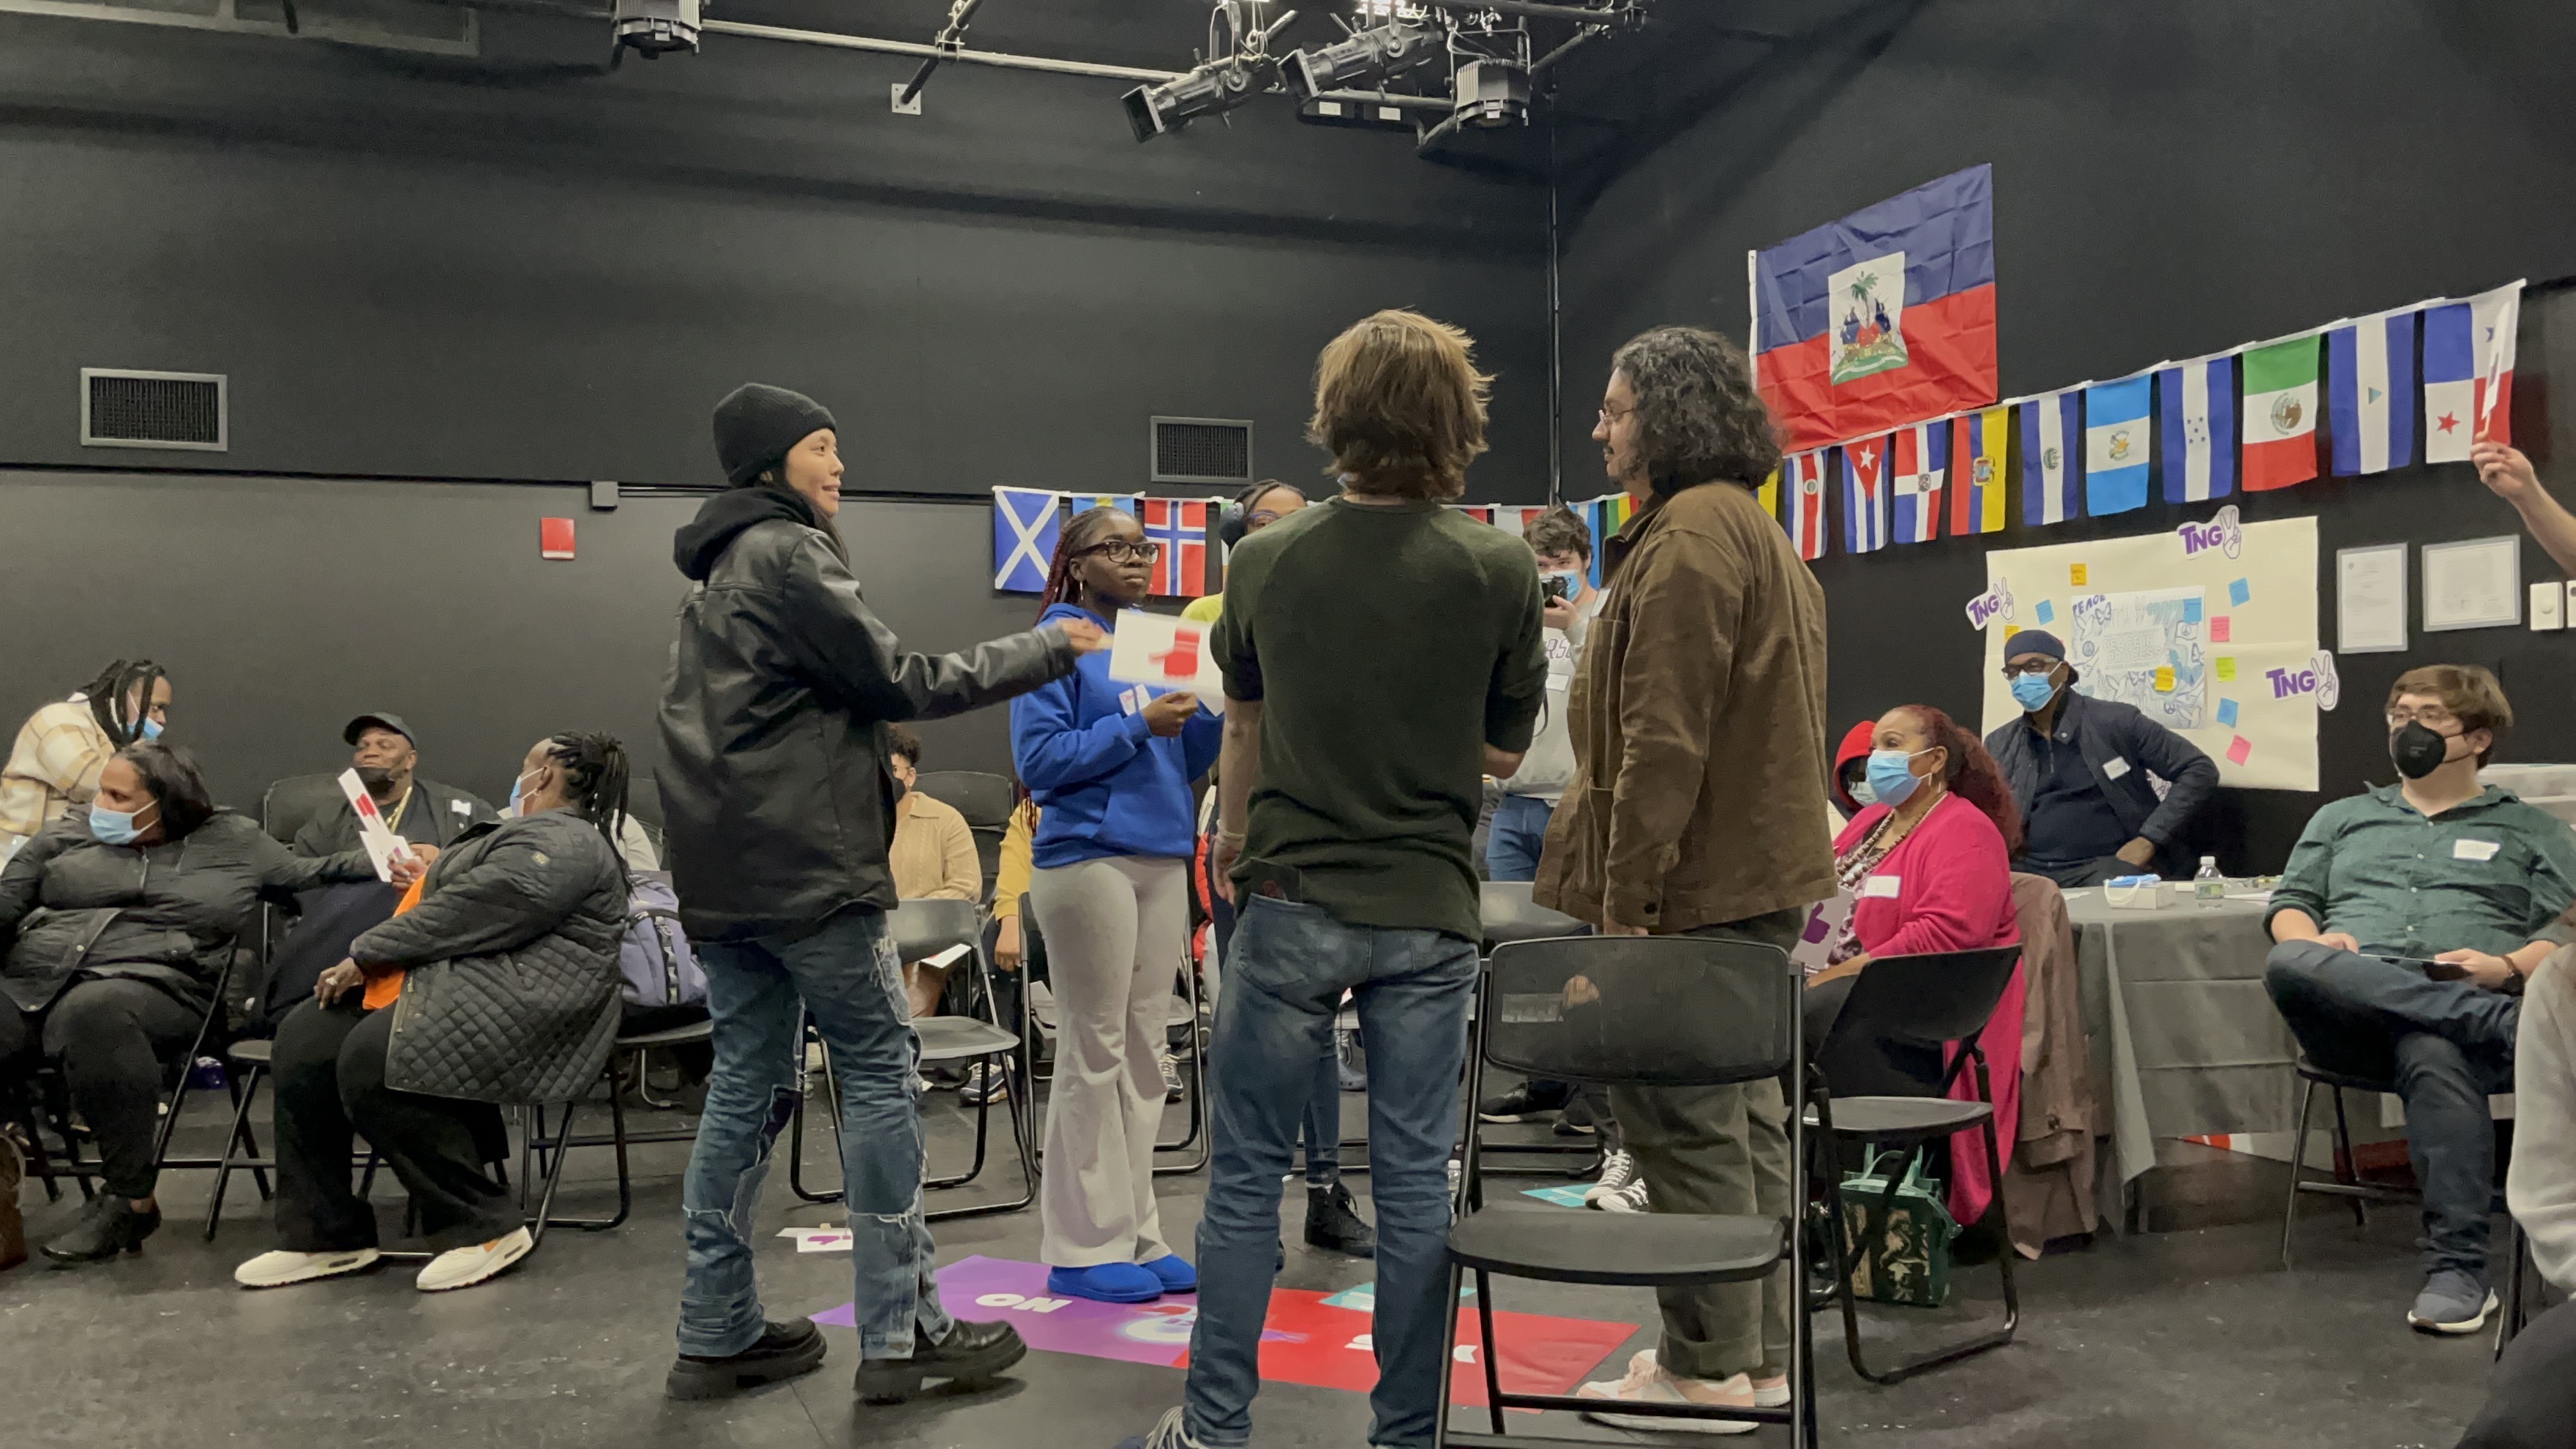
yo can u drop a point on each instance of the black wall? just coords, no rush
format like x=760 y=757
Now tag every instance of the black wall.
x=2169 y=180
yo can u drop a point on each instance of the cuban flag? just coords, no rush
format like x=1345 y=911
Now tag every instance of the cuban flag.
x=1864 y=324
x=1806 y=504
x=1865 y=495
x=1980 y=443
x=1914 y=504
x=2468 y=372
x=2052 y=468
x=1025 y=524
x=1180 y=527
x=2116 y=446
x=2199 y=401
x=2370 y=393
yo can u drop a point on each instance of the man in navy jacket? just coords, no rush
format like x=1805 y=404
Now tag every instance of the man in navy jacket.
x=2079 y=766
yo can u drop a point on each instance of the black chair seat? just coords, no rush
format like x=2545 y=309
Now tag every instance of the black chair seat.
x=252 y=1051
x=1881 y=1117
x=961 y=1038
x=1627 y=1249
x=2310 y=1071
x=675 y=1036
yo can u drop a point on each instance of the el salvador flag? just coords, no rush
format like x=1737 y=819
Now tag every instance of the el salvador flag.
x=2370 y=385
x=1025 y=523
x=2199 y=400
x=2116 y=446
x=2052 y=460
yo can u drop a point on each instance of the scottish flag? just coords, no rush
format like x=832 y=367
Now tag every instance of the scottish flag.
x=2116 y=446
x=1025 y=524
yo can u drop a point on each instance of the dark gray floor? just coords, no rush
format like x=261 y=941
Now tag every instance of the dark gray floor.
x=2191 y=1339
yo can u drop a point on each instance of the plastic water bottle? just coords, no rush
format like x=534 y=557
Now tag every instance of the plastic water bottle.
x=2208 y=887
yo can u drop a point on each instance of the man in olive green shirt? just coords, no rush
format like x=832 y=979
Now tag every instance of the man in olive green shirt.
x=2406 y=922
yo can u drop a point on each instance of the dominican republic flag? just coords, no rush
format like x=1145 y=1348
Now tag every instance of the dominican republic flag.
x=2370 y=393
x=2468 y=372
x=1865 y=324
x=1180 y=526
x=1865 y=495
x=1025 y=523
x=1979 y=443
x=2117 y=444
x=1805 y=473
x=1914 y=502
x=2052 y=460
x=2200 y=429
x=2281 y=414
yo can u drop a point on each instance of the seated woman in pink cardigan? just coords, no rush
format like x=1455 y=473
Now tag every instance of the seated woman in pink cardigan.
x=1929 y=868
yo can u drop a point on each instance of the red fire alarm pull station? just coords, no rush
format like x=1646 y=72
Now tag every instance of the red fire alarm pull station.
x=554 y=538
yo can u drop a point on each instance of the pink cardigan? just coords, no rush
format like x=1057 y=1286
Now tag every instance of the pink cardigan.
x=1953 y=892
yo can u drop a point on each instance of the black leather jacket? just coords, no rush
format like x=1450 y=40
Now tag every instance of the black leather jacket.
x=777 y=797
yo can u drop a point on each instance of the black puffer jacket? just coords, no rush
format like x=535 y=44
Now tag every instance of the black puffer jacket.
x=777 y=794
x=512 y=955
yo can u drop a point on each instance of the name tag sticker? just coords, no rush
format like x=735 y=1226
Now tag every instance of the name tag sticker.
x=460 y=807
x=1560 y=682
x=2115 y=769
x=2473 y=849
x=1882 y=887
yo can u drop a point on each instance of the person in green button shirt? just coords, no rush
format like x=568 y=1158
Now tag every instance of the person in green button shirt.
x=2406 y=922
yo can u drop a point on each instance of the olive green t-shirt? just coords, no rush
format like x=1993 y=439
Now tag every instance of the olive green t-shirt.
x=1387 y=646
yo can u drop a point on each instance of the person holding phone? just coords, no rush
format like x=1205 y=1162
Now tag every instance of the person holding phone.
x=1109 y=766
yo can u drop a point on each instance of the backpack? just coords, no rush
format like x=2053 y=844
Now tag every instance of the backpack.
x=658 y=964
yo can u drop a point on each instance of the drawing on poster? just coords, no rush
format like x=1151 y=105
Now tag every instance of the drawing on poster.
x=2122 y=643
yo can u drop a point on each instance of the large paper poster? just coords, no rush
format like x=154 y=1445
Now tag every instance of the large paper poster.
x=2210 y=629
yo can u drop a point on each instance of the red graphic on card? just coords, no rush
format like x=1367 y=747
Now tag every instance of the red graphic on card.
x=1181 y=661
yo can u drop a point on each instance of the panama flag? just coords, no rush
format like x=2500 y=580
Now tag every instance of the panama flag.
x=2468 y=372
x=1865 y=495
x=2116 y=446
x=1865 y=324
x=1180 y=527
x=2370 y=393
x=2281 y=414
x=2052 y=468
x=2200 y=429
x=1806 y=504
x=1025 y=522
x=1914 y=502
x=1978 y=443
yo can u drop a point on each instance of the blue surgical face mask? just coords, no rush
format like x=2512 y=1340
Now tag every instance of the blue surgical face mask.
x=150 y=729
x=1891 y=776
x=1861 y=793
x=2033 y=691
x=518 y=788
x=116 y=827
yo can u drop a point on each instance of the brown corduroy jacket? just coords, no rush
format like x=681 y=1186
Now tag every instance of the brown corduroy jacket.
x=1698 y=724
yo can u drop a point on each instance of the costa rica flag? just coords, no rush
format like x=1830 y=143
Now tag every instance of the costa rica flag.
x=1180 y=526
x=1805 y=505
x=1870 y=323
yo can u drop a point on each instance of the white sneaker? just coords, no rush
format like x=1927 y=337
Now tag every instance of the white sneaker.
x=1770 y=1393
x=276 y=1270
x=1647 y=1383
x=465 y=1267
x=1617 y=1171
x=1628 y=1199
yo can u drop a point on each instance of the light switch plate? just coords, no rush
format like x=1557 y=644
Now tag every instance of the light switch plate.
x=2548 y=606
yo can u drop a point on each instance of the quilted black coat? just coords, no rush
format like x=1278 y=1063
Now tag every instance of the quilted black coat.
x=512 y=955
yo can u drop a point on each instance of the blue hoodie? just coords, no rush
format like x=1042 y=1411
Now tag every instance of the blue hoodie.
x=1105 y=784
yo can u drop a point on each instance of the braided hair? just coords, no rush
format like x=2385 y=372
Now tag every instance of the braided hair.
x=595 y=770
x=108 y=692
x=1077 y=538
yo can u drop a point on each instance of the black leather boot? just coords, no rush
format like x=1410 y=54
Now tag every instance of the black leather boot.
x=1334 y=1224
x=111 y=1226
x=784 y=1351
x=971 y=1356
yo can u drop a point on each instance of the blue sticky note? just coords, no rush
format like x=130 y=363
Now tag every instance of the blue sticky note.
x=2227 y=713
x=2238 y=592
x=2045 y=612
x=2191 y=611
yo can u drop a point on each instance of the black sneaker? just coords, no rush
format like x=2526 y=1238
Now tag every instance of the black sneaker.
x=111 y=1226
x=1523 y=1104
x=784 y=1351
x=971 y=1356
x=1576 y=1119
x=1334 y=1224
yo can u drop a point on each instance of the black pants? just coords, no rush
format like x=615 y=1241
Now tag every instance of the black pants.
x=112 y=1038
x=330 y=1066
x=2532 y=1398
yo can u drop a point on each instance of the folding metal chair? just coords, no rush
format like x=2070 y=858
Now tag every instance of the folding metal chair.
x=2347 y=1182
x=628 y=1049
x=50 y=1109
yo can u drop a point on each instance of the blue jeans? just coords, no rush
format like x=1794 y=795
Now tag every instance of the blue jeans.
x=1284 y=981
x=1514 y=839
x=2446 y=1044
x=847 y=979
x=1322 y=1124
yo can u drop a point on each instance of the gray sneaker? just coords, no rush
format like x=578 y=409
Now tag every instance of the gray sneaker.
x=2452 y=1302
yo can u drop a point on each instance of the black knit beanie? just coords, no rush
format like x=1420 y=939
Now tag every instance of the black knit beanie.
x=756 y=424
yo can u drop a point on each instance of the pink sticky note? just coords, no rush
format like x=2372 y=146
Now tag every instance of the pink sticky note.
x=2239 y=749
x=2220 y=629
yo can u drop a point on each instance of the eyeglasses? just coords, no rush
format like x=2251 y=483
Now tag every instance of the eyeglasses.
x=1608 y=417
x=2030 y=666
x=1121 y=551
x=2432 y=717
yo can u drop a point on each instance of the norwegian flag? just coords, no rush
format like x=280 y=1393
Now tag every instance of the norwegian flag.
x=1922 y=459
x=1180 y=526
x=1804 y=509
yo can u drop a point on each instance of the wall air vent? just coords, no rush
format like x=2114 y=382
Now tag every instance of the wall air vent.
x=1202 y=450
x=126 y=409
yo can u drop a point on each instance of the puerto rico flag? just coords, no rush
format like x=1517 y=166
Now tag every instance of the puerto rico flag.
x=2468 y=372
x=2052 y=458
x=2370 y=393
x=1980 y=442
x=1805 y=505
x=1865 y=495
x=1864 y=324
x=1180 y=526
x=1914 y=502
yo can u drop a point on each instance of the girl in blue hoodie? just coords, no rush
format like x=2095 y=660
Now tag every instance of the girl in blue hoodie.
x=1110 y=767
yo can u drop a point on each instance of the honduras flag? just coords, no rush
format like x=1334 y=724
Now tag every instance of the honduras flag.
x=1922 y=459
x=2116 y=446
x=2052 y=467
x=2370 y=393
x=1865 y=495
x=2199 y=399
x=1025 y=524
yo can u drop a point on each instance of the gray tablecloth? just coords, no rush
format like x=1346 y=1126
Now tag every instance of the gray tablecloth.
x=2185 y=1043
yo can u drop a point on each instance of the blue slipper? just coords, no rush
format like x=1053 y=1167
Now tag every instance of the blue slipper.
x=1106 y=1283
x=1175 y=1272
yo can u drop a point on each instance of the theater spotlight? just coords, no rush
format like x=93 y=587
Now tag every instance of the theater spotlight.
x=1365 y=61
x=1238 y=58
x=652 y=27
x=1492 y=93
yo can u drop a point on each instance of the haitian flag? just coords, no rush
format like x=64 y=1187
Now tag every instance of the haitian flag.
x=1865 y=495
x=1914 y=505
x=2468 y=372
x=2116 y=446
x=2052 y=458
x=1979 y=442
x=1025 y=524
x=1179 y=526
x=2370 y=393
x=1806 y=503
x=1865 y=324
x=2200 y=428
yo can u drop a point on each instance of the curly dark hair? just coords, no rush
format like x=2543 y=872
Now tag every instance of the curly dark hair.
x=1698 y=415
x=171 y=776
x=1971 y=773
x=1559 y=530
x=904 y=743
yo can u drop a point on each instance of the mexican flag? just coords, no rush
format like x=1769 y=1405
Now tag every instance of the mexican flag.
x=2281 y=414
